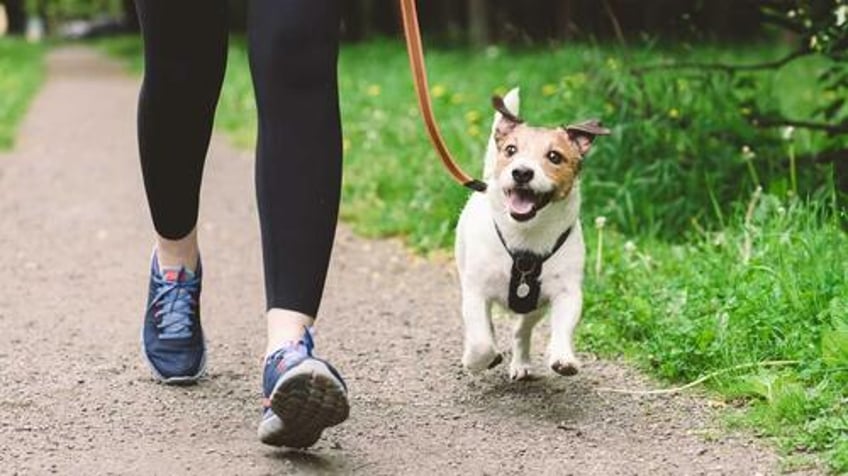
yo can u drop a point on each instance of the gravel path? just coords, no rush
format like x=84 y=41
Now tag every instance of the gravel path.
x=75 y=397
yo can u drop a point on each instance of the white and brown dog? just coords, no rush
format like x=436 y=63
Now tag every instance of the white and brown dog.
x=520 y=244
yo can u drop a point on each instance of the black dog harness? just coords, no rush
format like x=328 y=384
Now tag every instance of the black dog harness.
x=524 y=283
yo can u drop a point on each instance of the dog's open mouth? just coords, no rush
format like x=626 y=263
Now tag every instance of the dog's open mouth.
x=524 y=203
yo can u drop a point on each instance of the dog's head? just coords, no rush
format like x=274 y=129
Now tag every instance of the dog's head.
x=535 y=166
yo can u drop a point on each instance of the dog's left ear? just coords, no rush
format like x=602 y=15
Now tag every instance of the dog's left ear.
x=583 y=134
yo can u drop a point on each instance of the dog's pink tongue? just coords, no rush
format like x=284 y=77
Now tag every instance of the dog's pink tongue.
x=520 y=203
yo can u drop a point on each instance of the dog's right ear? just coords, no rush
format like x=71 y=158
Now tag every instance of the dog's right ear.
x=507 y=122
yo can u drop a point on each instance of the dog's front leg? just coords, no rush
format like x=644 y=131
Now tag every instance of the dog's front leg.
x=519 y=367
x=565 y=313
x=480 y=353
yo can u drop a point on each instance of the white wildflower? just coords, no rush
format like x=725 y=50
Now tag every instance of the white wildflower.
x=840 y=14
x=600 y=221
x=787 y=132
x=629 y=247
x=747 y=153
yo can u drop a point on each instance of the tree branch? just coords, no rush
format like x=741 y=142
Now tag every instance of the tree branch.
x=832 y=129
x=832 y=156
x=779 y=19
x=615 y=24
x=727 y=68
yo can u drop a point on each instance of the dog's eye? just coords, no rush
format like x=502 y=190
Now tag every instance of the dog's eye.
x=555 y=157
x=511 y=150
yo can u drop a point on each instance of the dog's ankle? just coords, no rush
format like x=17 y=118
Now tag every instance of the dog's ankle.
x=519 y=370
x=479 y=357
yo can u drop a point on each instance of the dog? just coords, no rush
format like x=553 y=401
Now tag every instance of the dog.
x=520 y=244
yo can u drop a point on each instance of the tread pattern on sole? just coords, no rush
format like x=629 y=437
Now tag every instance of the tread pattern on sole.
x=307 y=403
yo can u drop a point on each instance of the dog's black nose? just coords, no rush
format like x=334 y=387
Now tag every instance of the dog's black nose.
x=522 y=175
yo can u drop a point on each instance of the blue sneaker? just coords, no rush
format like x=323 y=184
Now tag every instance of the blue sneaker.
x=172 y=337
x=302 y=396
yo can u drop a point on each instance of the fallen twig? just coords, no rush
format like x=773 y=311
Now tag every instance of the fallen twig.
x=666 y=391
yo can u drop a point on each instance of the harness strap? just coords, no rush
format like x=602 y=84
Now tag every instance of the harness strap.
x=525 y=285
x=559 y=242
x=419 y=76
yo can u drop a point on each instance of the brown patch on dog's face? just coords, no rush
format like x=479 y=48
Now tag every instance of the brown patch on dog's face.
x=561 y=162
x=550 y=149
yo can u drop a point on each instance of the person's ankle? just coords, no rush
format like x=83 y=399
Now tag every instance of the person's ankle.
x=285 y=327
x=183 y=252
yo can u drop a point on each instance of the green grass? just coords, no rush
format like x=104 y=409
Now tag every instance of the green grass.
x=682 y=311
x=22 y=66
x=694 y=278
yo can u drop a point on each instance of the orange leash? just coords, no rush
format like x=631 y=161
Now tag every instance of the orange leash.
x=419 y=76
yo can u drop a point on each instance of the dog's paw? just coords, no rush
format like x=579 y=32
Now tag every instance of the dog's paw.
x=477 y=360
x=565 y=367
x=519 y=372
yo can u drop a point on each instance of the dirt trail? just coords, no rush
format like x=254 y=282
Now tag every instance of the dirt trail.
x=76 y=399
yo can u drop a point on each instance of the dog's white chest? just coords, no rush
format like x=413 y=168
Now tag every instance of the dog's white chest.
x=486 y=265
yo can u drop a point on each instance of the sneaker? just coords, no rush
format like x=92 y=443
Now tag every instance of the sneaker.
x=172 y=337
x=302 y=396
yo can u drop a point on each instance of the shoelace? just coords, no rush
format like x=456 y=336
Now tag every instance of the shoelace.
x=283 y=357
x=175 y=303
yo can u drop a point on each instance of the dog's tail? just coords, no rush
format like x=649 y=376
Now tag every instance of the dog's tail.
x=513 y=103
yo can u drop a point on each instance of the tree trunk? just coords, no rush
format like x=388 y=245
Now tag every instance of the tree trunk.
x=564 y=28
x=130 y=15
x=478 y=23
x=16 y=16
x=366 y=24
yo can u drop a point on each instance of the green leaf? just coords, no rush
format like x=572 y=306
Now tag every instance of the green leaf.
x=834 y=343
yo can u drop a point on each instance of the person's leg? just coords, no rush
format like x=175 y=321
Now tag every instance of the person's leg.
x=293 y=53
x=185 y=45
x=185 y=50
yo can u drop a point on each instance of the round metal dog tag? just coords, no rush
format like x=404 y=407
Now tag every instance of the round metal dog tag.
x=522 y=290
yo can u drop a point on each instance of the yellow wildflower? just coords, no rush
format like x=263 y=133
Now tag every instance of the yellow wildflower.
x=374 y=90
x=549 y=89
x=438 y=91
x=473 y=116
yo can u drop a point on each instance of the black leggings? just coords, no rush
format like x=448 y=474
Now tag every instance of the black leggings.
x=293 y=48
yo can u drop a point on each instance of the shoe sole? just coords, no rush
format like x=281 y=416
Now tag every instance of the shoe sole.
x=177 y=380
x=307 y=401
